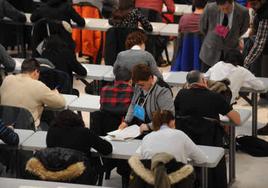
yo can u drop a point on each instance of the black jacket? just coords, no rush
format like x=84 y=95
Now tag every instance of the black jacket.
x=7 y=10
x=61 y=164
x=63 y=57
x=57 y=10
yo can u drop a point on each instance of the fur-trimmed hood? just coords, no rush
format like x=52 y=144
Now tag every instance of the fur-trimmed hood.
x=35 y=167
x=148 y=175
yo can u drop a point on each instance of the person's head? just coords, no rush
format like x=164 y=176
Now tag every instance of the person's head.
x=195 y=77
x=199 y=4
x=122 y=74
x=123 y=9
x=163 y=117
x=225 y=6
x=68 y=118
x=234 y=57
x=31 y=67
x=256 y=4
x=126 y=4
x=136 y=38
x=142 y=76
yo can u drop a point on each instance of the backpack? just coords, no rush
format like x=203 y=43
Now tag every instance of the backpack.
x=253 y=146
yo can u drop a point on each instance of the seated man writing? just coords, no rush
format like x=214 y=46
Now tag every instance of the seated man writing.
x=24 y=90
x=149 y=96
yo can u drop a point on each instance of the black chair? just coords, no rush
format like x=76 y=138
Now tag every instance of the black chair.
x=206 y=131
x=115 y=43
x=20 y=117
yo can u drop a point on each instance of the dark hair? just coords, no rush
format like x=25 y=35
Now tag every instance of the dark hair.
x=199 y=3
x=122 y=74
x=234 y=57
x=161 y=117
x=30 y=65
x=222 y=2
x=193 y=77
x=123 y=9
x=68 y=118
x=141 y=72
x=135 y=38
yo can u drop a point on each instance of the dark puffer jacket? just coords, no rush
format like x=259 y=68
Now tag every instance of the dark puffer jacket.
x=61 y=164
x=163 y=171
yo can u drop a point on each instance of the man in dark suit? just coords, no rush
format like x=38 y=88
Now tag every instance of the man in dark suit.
x=223 y=23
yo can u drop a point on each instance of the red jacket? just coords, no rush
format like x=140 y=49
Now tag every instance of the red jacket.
x=156 y=5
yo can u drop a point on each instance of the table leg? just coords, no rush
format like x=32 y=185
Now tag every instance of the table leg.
x=204 y=177
x=232 y=149
x=254 y=99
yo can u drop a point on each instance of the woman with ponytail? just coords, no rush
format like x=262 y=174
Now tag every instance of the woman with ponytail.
x=165 y=138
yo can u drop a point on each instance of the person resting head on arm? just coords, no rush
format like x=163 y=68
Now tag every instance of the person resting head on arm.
x=69 y=131
x=182 y=148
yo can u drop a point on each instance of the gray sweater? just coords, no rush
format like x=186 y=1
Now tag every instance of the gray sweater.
x=159 y=99
x=129 y=58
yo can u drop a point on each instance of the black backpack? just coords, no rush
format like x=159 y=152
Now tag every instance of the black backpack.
x=253 y=146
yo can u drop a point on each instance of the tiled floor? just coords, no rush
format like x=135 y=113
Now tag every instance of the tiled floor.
x=250 y=171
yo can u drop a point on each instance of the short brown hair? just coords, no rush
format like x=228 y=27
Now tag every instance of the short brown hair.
x=161 y=117
x=135 y=38
x=30 y=65
x=141 y=72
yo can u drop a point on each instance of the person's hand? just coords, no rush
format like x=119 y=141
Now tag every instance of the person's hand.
x=122 y=125
x=143 y=128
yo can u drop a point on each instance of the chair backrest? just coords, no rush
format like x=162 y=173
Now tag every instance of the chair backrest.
x=22 y=118
x=202 y=130
x=188 y=52
x=115 y=43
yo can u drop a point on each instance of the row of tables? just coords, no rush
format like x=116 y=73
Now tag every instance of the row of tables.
x=31 y=141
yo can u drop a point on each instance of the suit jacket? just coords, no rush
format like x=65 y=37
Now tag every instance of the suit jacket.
x=213 y=45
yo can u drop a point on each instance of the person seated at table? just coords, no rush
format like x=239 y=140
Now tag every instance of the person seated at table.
x=26 y=91
x=189 y=23
x=69 y=131
x=198 y=100
x=238 y=75
x=8 y=135
x=149 y=96
x=136 y=54
x=7 y=10
x=164 y=127
x=126 y=16
x=114 y=103
x=152 y=9
x=64 y=58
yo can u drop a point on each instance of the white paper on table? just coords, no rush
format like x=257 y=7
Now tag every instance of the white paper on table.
x=127 y=133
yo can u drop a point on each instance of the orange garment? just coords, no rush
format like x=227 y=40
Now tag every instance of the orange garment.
x=88 y=42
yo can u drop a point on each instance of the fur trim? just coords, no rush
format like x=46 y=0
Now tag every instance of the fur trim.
x=160 y=157
x=180 y=174
x=148 y=177
x=35 y=167
x=140 y=170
